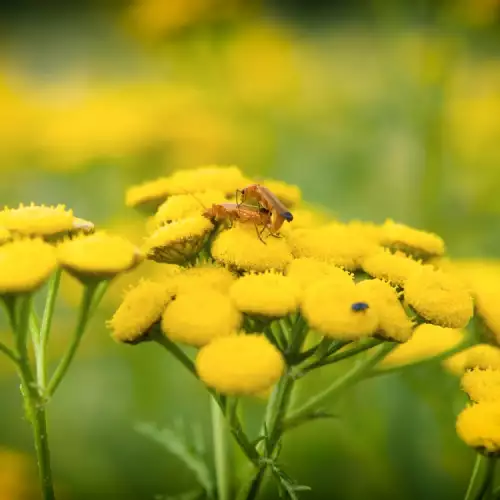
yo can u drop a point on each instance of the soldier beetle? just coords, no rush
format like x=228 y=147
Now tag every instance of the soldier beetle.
x=269 y=201
x=241 y=213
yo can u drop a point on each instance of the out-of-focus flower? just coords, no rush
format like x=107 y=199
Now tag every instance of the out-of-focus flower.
x=482 y=384
x=478 y=426
x=25 y=265
x=240 y=364
x=17 y=476
x=482 y=356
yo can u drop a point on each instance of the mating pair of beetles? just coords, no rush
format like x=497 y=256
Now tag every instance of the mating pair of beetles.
x=269 y=213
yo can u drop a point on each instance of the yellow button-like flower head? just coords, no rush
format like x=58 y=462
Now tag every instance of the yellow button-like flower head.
x=240 y=248
x=181 y=206
x=412 y=241
x=487 y=295
x=440 y=298
x=426 y=341
x=209 y=178
x=478 y=426
x=179 y=241
x=149 y=195
x=396 y=268
x=306 y=271
x=339 y=310
x=25 y=265
x=140 y=309
x=199 y=316
x=394 y=322
x=35 y=220
x=98 y=256
x=482 y=356
x=482 y=385
x=204 y=276
x=268 y=294
x=335 y=243
x=240 y=364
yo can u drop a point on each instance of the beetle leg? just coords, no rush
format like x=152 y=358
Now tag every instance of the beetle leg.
x=259 y=233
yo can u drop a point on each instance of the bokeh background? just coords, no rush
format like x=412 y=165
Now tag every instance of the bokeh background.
x=375 y=108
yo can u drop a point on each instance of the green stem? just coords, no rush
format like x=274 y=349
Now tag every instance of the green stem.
x=361 y=347
x=33 y=401
x=176 y=351
x=48 y=313
x=481 y=481
x=9 y=353
x=83 y=319
x=221 y=452
x=432 y=359
x=357 y=372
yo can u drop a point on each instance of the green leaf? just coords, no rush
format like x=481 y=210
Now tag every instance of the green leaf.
x=177 y=444
x=292 y=423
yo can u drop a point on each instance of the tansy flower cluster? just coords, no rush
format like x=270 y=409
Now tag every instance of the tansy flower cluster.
x=344 y=281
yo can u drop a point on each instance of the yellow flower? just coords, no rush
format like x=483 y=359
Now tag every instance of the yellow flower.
x=394 y=323
x=427 y=341
x=240 y=364
x=329 y=307
x=368 y=230
x=178 y=241
x=181 y=206
x=149 y=195
x=140 y=309
x=335 y=243
x=100 y=256
x=268 y=294
x=4 y=235
x=396 y=268
x=17 y=476
x=240 y=248
x=25 y=265
x=440 y=298
x=34 y=220
x=209 y=178
x=289 y=194
x=478 y=426
x=306 y=271
x=204 y=276
x=481 y=356
x=199 y=316
x=419 y=244
x=482 y=385
x=82 y=225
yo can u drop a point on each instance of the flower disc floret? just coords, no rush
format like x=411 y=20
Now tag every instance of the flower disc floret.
x=181 y=206
x=328 y=308
x=199 y=316
x=268 y=294
x=179 y=241
x=140 y=309
x=427 y=341
x=420 y=244
x=240 y=248
x=37 y=220
x=482 y=385
x=394 y=324
x=99 y=255
x=478 y=426
x=4 y=235
x=393 y=267
x=25 y=265
x=487 y=295
x=439 y=297
x=240 y=364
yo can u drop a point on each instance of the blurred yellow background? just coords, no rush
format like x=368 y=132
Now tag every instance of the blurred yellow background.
x=375 y=109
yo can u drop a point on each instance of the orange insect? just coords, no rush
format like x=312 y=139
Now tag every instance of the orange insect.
x=242 y=213
x=270 y=202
